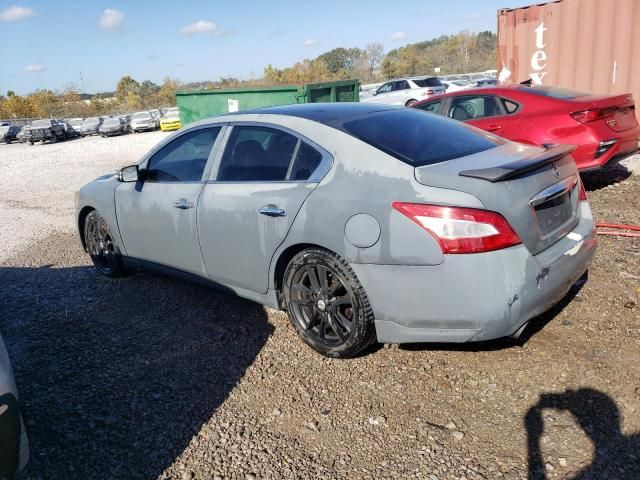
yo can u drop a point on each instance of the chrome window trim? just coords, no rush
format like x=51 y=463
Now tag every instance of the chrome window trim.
x=316 y=176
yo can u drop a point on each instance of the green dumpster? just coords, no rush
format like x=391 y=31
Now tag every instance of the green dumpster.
x=198 y=104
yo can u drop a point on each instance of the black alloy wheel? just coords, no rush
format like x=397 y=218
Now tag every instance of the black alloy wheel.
x=327 y=305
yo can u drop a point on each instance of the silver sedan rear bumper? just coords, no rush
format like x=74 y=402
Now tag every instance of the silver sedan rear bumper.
x=476 y=296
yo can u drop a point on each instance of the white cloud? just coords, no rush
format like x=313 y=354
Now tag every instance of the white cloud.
x=397 y=36
x=310 y=42
x=111 y=19
x=33 y=68
x=15 y=13
x=201 y=26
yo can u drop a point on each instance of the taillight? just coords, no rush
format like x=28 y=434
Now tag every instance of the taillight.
x=461 y=230
x=583 y=193
x=592 y=114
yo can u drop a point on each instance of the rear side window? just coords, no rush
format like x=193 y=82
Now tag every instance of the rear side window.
x=417 y=138
x=472 y=107
x=307 y=161
x=428 y=82
x=257 y=154
x=509 y=106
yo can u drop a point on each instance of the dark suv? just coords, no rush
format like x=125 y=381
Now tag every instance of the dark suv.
x=43 y=130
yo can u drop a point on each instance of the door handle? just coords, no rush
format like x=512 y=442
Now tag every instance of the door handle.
x=183 y=204
x=273 y=211
x=493 y=128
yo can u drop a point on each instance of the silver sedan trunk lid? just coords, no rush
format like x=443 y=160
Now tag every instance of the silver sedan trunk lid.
x=535 y=189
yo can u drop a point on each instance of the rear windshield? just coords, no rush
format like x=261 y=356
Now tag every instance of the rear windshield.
x=553 y=92
x=41 y=123
x=91 y=120
x=428 y=82
x=111 y=121
x=419 y=138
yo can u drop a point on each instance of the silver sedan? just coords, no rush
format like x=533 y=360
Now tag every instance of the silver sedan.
x=362 y=221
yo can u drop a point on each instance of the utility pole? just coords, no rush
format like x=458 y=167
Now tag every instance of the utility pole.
x=82 y=83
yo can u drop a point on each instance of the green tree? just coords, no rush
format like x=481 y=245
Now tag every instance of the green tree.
x=125 y=86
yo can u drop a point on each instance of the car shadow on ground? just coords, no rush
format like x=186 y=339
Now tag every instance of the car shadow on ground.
x=116 y=377
x=615 y=455
x=610 y=175
x=534 y=326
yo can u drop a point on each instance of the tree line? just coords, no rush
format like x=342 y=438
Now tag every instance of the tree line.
x=129 y=96
x=459 y=53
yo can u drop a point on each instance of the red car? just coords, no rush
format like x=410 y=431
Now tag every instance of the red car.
x=601 y=126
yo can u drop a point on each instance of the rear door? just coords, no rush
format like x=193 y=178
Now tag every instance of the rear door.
x=258 y=184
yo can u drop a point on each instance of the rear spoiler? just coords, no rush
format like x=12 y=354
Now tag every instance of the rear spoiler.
x=519 y=167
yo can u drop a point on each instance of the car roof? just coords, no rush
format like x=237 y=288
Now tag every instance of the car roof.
x=326 y=113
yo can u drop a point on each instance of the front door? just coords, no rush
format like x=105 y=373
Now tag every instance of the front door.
x=263 y=178
x=157 y=216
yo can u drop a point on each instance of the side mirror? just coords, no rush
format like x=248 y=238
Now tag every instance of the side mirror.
x=375 y=92
x=129 y=174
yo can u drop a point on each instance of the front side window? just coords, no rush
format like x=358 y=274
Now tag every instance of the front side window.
x=386 y=88
x=473 y=107
x=255 y=154
x=183 y=159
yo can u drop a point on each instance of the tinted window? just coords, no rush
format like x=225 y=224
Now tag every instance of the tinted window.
x=553 y=92
x=418 y=138
x=430 y=106
x=469 y=108
x=306 y=162
x=257 y=154
x=428 y=82
x=509 y=106
x=401 y=85
x=183 y=159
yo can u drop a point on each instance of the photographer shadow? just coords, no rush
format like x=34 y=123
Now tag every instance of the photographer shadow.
x=616 y=455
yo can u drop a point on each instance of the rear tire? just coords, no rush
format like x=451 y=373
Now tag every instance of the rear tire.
x=410 y=102
x=327 y=305
x=100 y=246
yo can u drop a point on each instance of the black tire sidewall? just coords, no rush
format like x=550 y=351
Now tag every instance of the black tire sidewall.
x=363 y=329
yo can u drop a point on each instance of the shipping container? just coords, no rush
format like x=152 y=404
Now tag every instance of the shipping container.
x=588 y=45
x=198 y=104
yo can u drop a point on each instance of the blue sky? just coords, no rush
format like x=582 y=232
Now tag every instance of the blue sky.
x=46 y=44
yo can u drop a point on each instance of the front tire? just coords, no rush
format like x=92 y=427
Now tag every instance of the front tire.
x=104 y=253
x=410 y=103
x=327 y=305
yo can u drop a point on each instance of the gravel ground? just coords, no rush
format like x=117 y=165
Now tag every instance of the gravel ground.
x=150 y=377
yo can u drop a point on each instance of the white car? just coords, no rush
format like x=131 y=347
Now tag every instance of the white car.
x=406 y=91
x=456 y=85
x=143 y=121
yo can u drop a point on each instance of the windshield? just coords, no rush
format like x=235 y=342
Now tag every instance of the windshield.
x=141 y=116
x=434 y=139
x=91 y=120
x=4 y=129
x=41 y=123
x=110 y=122
x=172 y=116
x=75 y=121
x=428 y=82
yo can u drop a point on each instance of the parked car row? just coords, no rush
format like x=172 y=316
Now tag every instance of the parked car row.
x=53 y=130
